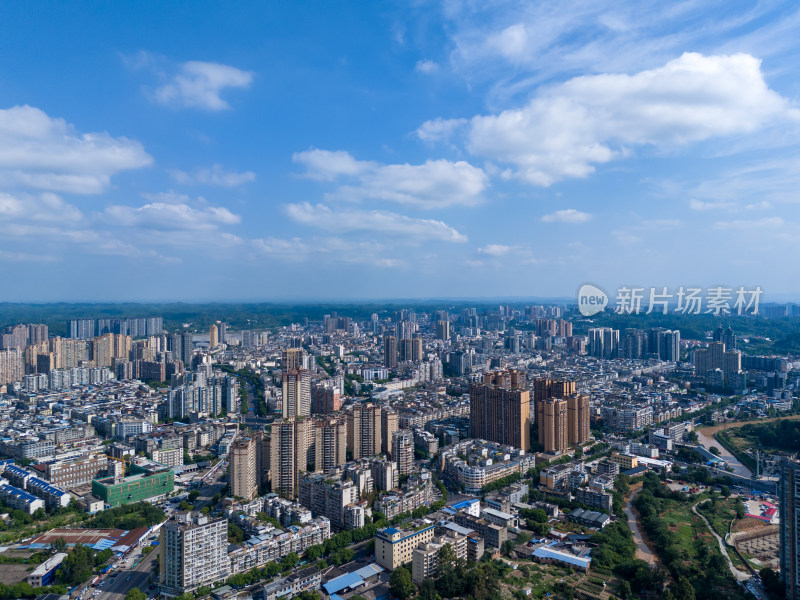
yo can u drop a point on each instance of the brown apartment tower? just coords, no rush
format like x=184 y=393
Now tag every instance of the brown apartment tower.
x=562 y=416
x=499 y=409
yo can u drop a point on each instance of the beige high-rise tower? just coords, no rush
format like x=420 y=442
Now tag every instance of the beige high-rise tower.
x=213 y=337
x=330 y=443
x=243 y=462
x=389 y=424
x=289 y=443
x=551 y=416
x=364 y=431
x=577 y=419
x=296 y=393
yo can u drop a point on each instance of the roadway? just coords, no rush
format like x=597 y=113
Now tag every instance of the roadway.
x=707 y=441
x=115 y=588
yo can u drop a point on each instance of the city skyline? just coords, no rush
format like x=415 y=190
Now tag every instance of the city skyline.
x=368 y=151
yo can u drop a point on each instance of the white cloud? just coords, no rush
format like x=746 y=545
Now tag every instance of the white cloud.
x=439 y=130
x=568 y=215
x=200 y=84
x=165 y=216
x=426 y=66
x=494 y=249
x=569 y=128
x=747 y=224
x=328 y=249
x=40 y=152
x=377 y=221
x=511 y=42
x=214 y=175
x=433 y=184
x=37 y=208
x=326 y=165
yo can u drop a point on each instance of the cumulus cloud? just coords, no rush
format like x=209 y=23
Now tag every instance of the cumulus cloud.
x=438 y=130
x=37 y=207
x=569 y=128
x=327 y=165
x=568 y=215
x=426 y=66
x=45 y=153
x=159 y=215
x=377 y=221
x=494 y=249
x=433 y=184
x=214 y=175
x=200 y=84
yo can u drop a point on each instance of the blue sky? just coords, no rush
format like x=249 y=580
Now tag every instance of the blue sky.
x=317 y=150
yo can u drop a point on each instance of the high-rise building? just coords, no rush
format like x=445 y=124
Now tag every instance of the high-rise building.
x=187 y=348
x=243 y=476
x=390 y=351
x=194 y=552
x=330 y=443
x=12 y=366
x=726 y=336
x=500 y=409
x=603 y=342
x=669 y=345
x=416 y=348
x=443 y=330
x=296 y=393
x=223 y=333
x=552 y=421
x=81 y=329
x=289 y=445
x=403 y=450
x=577 y=419
x=389 y=424
x=544 y=388
x=291 y=358
x=364 y=431
x=213 y=336
x=789 y=499
x=325 y=398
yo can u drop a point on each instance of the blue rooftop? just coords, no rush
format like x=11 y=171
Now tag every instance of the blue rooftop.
x=348 y=580
x=391 y=530
x=566 y=557
x=369 y=571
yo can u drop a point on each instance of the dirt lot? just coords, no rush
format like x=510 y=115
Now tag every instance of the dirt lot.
x=11 y=573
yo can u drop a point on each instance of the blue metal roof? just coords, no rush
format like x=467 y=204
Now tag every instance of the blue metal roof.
x=566 y=557
x=369 y=571
x=348 y=580
x=391 y=530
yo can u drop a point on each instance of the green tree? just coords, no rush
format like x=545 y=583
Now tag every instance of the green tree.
x=135 y=594
x=682 y=589
x=427 y=590
x=400 y=584
x=235 y=533
x=714 y=450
